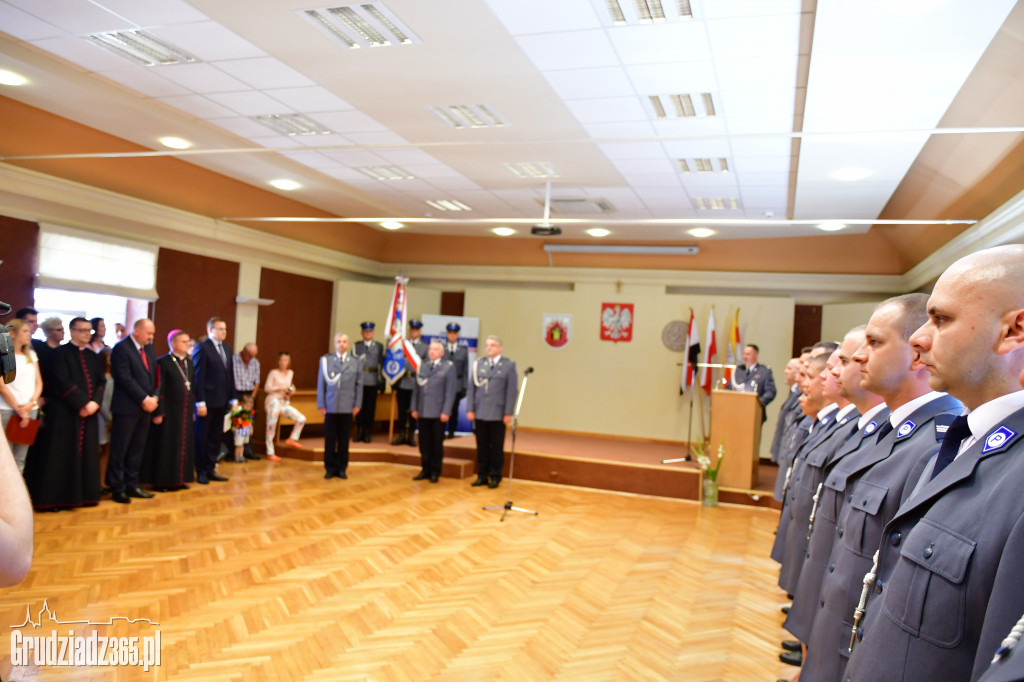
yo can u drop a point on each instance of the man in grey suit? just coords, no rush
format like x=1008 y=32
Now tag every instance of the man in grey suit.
x=754 y=377
x=490 y=403
x=432 y=401
x=876 y=483
x=339 y=397
x=372 y=354
x=948 y=584
x=458 y=355
x=405 y=426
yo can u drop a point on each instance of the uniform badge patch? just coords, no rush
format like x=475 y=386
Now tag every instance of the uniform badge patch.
x=870 y=428
x=998 y=439
x=905 y=428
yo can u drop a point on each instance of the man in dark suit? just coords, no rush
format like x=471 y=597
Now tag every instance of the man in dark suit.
x=215 y=387
x=755 y=377
x=133 y=366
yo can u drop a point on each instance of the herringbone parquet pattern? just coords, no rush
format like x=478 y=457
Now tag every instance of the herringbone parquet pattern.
x=281 y=575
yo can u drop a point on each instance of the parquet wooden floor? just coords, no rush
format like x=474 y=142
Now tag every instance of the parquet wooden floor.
x=281 y=575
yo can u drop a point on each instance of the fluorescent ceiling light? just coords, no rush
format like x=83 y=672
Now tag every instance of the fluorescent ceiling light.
x=448 y=205
x=468 y=115
x=703 y=165
x=392 y=225
x=503 y=231
x=716 y=203
x=292 y=124
x=11 y=78
x=683 y=105
x=175 y=143
x=598 y=232
x=723 y=164
x=649 y=11
x=709 y=104
x=615 y=10
x=685 y=167
x=364 y=24
x=831 y=226
x=285 y=184
x=623 y=249
x=533 y=169
x=685 y=11
x=700 y=232
x=851 y=174
x=386 y=172
x=142 y=48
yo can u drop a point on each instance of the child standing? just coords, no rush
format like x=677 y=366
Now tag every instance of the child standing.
x=241 y=422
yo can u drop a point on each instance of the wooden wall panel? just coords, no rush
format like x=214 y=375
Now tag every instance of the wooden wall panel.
x=806 y=327
x=191 y=290
x=453 y=303
x=299 y=321
x=19 y=249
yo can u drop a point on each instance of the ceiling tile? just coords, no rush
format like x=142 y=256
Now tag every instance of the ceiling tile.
x=244 y=127
x=249 y=103
x=321 y=140
x=147 y=81
x=761 y=164
x=543 y=16
x=607 y=110
x=672 y=79
x=645 y=180
x=577 y=50
x=451 y=183
x=590 y=83
x=355 y=158
x=349 y=122
x=275 y=141
x=773 y=145
x=154 y=12
x=199 y=106
x=376 y=138
x=764 y=73
x=683 y=41
x=208 y=41
x=25 y=26
x=311 y=159
x=764 y=36
x=700 y=126
x=74 y=16
x=637 y=129
x=309 y=100
x=633 y=150
x=722 y=9
x=264 y=72
x=201 y=78
x=689 y=149
x=83 y=53
x=643 y=166
x=403 y=157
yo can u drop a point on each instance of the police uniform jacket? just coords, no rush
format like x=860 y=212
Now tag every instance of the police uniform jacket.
x=949 y=586
x=802 y=487
x=789 y=414
x=460 y=359
x=497 y=396
x=823 y=428
x=791 y=442
x=805 y=602
x=761 y=376
x=407 y=381
x=1008 y=668
x=874 y=485
x=434 y=394
x=372 y=354
x=339 y=384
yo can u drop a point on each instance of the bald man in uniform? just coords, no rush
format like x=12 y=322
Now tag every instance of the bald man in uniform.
x=948 y=585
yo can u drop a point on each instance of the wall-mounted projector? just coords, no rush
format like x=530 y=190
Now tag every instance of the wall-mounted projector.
x=546 y=230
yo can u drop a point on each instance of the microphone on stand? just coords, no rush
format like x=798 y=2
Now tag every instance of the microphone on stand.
x=528 y=370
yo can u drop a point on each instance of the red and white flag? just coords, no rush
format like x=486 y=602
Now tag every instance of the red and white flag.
x=710 y=349
x=692 y=353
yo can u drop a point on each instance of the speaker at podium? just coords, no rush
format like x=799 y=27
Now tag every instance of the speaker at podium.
x=736 y=426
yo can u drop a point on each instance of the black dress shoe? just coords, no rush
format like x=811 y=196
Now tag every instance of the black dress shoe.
x=139 y=492
x=253 y=457
x=342 y=475
x=433 y=478
x=121 y=497
x=785 y=609
x=480 y=480
x=792 y=658
x=202 y=479
x=161 y=489
x=420 y=476
x=104 y=491
x=329 y=474
x=791 y=645
x=398 y=440
x=182 y=487
x=494 y=482
x=214 y=476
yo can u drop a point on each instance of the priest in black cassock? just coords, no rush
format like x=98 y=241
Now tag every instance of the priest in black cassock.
x=170 y=454
x=64 y=472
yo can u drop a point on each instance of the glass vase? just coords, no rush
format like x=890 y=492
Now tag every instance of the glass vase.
x=710 y=498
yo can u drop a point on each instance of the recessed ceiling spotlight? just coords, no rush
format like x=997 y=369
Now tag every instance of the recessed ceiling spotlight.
x=700 y=232
x=598 y=232
x=851 y=174
x=831 y=226
x=392 y=225
x=11 y=78
x=175 y=142
x=286 y=185
x=503 y=231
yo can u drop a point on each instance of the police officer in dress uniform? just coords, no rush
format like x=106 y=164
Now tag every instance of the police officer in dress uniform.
x=432 y=401
x=755 y=377
x=456 y=354
x=372 y=354
x=790 y=411
x=947 y=586
x=405 y=427
x=339 y=397
x=876 y=483
x=491 y=403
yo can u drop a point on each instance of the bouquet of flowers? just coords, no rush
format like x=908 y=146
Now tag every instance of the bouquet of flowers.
x=705 y=462
x=241 y=419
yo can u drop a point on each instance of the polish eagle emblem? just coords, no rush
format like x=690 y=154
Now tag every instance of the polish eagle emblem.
x=616 y=322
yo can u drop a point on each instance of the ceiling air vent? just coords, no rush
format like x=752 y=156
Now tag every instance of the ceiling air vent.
x=363 y=24
x=575 y=205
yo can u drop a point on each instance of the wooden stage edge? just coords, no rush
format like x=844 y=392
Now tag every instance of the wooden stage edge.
x=602 y=462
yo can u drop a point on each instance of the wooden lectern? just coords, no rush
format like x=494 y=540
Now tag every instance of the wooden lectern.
x=736 y=423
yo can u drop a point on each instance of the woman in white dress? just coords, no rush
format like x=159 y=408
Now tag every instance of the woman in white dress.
x=20 y=398
x=279 y=388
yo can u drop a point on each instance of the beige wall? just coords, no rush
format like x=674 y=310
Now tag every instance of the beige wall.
x=839 y=318
x=355 y=302
x=629 y=389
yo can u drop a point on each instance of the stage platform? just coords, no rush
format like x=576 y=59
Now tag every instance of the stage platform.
x=590 y=461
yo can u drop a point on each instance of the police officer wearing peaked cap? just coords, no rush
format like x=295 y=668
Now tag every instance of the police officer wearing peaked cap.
x=456 y=354
x=372 y=354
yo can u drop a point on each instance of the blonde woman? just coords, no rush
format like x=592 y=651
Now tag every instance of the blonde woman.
x=279 y=387
x=20 y=399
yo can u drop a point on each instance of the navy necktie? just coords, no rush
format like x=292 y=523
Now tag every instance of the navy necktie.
x=884 y=430
x=955 y=435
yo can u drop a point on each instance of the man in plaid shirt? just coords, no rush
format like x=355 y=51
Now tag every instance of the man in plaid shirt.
x=247 y=381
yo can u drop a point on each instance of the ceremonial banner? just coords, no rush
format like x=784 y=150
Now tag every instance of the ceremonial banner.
x=616 y=322
x=692 y=353
x=398 y=347
x=734 y=349
x=711 y=348
x=557 y=329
